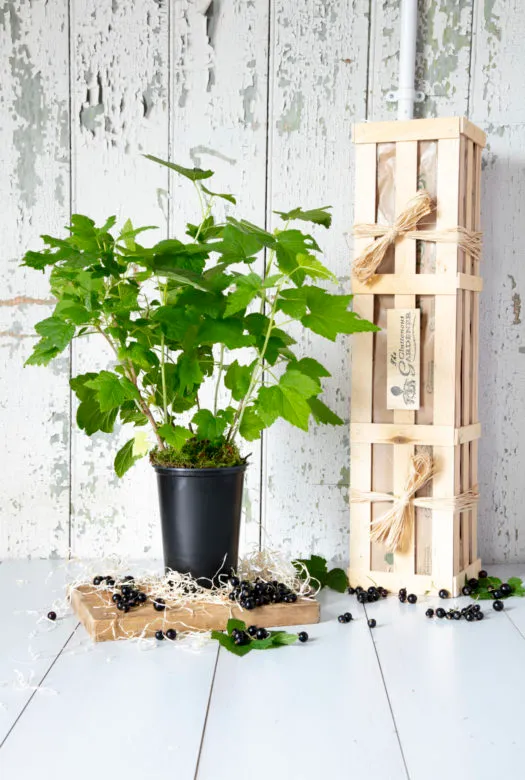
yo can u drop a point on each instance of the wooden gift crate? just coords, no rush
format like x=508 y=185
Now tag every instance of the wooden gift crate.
x=443 y=544
x=103 y=621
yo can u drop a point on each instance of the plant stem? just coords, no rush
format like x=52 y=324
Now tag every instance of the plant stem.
x=144 y=406
x=163 y=360
x=219 y=374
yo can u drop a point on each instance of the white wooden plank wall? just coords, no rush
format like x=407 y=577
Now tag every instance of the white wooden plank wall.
x=264 y=92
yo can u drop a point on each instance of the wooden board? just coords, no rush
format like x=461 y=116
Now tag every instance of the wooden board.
x=103 y=621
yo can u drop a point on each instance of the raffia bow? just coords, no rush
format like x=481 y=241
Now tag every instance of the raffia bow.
x=422 y=204
x=393 y=529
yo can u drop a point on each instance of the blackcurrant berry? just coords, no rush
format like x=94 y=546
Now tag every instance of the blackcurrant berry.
x=159 y=605
x=383 y=592
x=302 y=636
x=362 y=597
x=358 y=589
x=372 y=623
x=498 y=605
x=141 y=597
x=456 y=615
x=51 y=615
x=483 y=574
x=341 y=619
x=466 y=590
x=252 y=630
x=126 y=590
x=293 y=597
x=411 y=598
x=473 y=583
x=250 y=604
x=479 y=615
x=470 y=616
x=262 y=633
x=231 y=596
x=372 y=590
x=235 y=581
x=348 y=616
x=111 y=582
x=497 y=594
x=97 y=580
x=125 y=607
x=506 y=589
x=159 y=635
x=476 y=608
x=351 y=591
x=121 y=605
x=370 y=598
x=116 y=597
x=440 y=612
x=171 y=634
x=128 y=578
x=402 y=592
x=429 y=613
x=443 y=594
x=402 y=597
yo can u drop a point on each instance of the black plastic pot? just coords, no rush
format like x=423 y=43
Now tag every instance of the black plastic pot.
x=200 y=512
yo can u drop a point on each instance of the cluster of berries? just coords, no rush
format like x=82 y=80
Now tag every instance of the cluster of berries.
x=403 y=597
x=260 y=593
x=127 y=595
x=169 y=634
x=470 y=613
x=368 y=596
x=241 y=637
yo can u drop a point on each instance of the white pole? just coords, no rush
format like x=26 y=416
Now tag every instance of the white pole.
x=407 y=60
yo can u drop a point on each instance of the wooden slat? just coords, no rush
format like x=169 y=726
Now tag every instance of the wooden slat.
x=398 y=433
x=417 y=284
x=417 y=130
x=475 y=350
x=362 y=358
x=405 y=263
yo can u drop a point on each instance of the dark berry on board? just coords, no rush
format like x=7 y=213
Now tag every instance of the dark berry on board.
x=341 y=619
x=126 y=590
x=497 y=594
x=116 y=597
x=235 y=581
x=125 y=607
x=473 y=583
x=466 y=590
x=259 y=602
x=252 y=630
x=456 y=615
x=159 y=605
x=293 y=597
x=159 y=635
x=347 y=616
x=411 y=598
x=350 y=591
x=110 y=582
x=429 y=613
x=249 y=604
x=498 y=605
x=440 y=612
x=483 y=574
x=443 y=594
x=362 y=597
x=372 y=623
x=128 y=578
x=506 y=589
x=97 y=580
x=51 y=615
x=302 y=636
x=262 y=633
x=171 y=634
x=479 y=615
x=121 y=605
x=141 y=597
x=231 y=596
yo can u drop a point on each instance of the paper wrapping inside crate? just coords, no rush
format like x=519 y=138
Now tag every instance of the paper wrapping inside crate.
x=382 y=454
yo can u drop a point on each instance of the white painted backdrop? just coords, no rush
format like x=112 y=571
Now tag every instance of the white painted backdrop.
x=265 y=93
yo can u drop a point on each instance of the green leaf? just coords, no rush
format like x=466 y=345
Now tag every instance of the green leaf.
x=129 y=413
x=329 y=315
x=91 y=419
x=222 y=195
x=237 y=245
x=111 y=390
x=318 y=216
x=190 y=373
x=174 y=435
x=290 y=244
x=283 y=401
x=337 y=580
x=247 y=288
x=237 y=379
x=283 y=638
x=129 y=234
x=39 y=260
x=139 y=355
x=251 y=424
x=301 y=383
x=228 y=331
x=249 y=229
x=42 y=354
x=227 y=642
x=322 y=414
x=193 y=174
x=125 y=458
x=308 y=265
x=56 y=332
x=70 y=310
x=515 y=582
x=316 y=567
x=209 y=426
x=310 y=367
x=232 y=623
x=293 y=303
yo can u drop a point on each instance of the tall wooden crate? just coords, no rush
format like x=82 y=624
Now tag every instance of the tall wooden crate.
x=442 y=548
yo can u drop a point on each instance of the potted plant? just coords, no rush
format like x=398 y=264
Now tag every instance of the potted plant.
x=203 y=356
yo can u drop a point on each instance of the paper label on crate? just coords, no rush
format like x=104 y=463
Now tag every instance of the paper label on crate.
x=403 y=359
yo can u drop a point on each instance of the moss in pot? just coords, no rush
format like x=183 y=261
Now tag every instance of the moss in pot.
x=179 y=317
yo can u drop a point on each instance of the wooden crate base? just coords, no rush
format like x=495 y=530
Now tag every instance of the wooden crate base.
x=414 y=583
x=103 y=621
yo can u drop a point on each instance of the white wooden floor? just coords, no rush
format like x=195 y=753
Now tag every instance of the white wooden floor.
x=413 y=698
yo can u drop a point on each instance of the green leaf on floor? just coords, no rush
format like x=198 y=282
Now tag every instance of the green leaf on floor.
x=317 y=568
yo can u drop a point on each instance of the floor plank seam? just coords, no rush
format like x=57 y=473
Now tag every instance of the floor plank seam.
x=206 y=716
x=28 y=702
x=371 y=631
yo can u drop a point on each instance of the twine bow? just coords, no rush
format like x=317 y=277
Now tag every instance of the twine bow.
x=422 y=204
x=394 y=527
